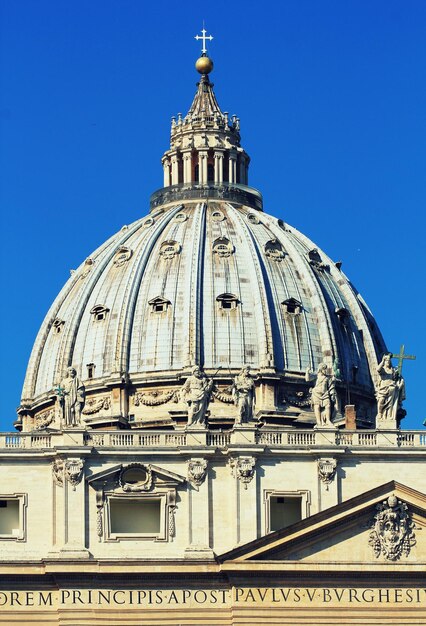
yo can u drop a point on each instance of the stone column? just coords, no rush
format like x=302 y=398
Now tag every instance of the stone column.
x=232 y=166
x=166 y=171
x=175 y=169
x=199 y=517
x=218 y=167
x=202 y=166
x=187 y=167
x=242 y=168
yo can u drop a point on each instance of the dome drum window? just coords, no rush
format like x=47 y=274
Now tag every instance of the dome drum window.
x=223 y=247
x=99 y=312
x=227 y=301
x=169 y=249
x=292 y=306
x=274 y=250
x=91 y=370
x=159 y=304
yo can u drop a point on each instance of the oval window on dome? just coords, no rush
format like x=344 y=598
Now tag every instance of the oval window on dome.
x=122 y=255
x=148 y=222
x=218 y=216
x=181 y=217
x=222 y=247
x=253 y=218
x=274 y=250
x=169 y=249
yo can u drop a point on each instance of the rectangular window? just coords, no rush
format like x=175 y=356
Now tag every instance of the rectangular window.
x=141 y=516
x=284 y=508
x=12 y=517
x=284 y=511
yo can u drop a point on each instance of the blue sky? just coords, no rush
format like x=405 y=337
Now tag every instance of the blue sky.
x=332 y=101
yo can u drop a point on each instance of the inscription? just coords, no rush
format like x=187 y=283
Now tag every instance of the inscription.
x=266 y=596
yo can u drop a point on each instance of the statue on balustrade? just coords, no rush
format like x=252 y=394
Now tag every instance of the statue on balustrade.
x=243 y=392
x=390 y=389
x=70 y=395
x=196 y=394
x=323 y=396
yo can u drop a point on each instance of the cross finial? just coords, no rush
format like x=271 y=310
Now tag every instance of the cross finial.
x=204 y=37
x=401 y=357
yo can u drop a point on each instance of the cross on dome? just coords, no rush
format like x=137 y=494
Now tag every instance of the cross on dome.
x=204 y=38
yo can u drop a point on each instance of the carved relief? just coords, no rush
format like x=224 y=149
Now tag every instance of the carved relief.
x=155 y=398
x=223 y=395
x=327 y=470
x=274 y=250
x=242 y=468
x=197 y=471
x=392 y=532
x=58 y=472
x=74 y=471
x=172 y=524
x=169 y=249
x=136 y=477
x=223 y=247
x=44 y=419
x=97 y=404
x=99 y=514
x=298 y=398
x=122 y=255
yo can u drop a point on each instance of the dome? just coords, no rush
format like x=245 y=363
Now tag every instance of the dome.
x=207 y=278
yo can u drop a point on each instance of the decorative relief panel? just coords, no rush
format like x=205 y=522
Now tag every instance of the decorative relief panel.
x=327 y=470
x=155 y=398
x=197 y=471
x=392 y=533
x=58 y=472
x=242 y=468
x=169 y=249
x=73 y=471
x=44 y=419
x=96 y=404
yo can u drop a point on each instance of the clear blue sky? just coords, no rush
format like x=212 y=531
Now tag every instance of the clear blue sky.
x=332 y=101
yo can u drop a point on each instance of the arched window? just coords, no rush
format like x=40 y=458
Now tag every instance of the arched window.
x=99 y=312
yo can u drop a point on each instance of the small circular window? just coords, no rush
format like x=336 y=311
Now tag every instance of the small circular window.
x=218 y=216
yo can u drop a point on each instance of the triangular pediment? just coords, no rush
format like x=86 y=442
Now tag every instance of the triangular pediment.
x=350 y=532
x=145 y=474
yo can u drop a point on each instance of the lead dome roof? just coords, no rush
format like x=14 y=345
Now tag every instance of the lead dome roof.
x=206 y=278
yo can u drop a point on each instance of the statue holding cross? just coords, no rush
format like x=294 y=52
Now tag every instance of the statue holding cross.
x=390 y=392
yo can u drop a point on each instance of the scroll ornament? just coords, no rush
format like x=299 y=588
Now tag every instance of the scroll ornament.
x=392 y=533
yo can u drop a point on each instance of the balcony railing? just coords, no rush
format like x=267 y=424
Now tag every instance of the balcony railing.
x=220 y=191
x=264 y=438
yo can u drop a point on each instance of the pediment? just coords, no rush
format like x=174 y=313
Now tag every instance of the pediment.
x=134 y=477
x=366 y=528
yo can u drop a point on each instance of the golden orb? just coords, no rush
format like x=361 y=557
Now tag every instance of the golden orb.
x=204 y=65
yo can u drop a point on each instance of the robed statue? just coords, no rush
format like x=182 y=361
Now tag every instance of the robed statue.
x=390 y=389
x=243 y=392
x=196 y=394
x=71 y=398
x=323 y=396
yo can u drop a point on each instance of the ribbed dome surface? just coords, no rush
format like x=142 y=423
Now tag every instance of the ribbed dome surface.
x=214 y=284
